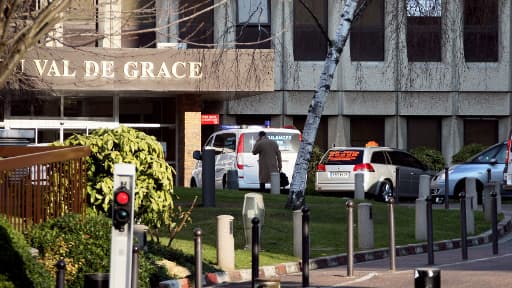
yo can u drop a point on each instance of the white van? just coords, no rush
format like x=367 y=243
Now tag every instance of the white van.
x=233 y=151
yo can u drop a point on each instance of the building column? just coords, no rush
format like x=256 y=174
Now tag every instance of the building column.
x=338 y=131
x=189 y=136
x=395 y=132
x=109 y=23
x=452 y=137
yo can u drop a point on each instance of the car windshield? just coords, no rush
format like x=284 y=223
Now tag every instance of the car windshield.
x=498 y=152
x=343 y=157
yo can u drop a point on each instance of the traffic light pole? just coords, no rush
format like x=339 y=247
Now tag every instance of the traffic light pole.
x=122 y=226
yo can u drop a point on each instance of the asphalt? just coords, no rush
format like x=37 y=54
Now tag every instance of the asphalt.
x=482 y=268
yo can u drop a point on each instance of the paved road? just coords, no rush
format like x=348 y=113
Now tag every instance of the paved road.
x=481 y=269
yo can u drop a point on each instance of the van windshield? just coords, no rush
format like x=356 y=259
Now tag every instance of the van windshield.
x=287 y=142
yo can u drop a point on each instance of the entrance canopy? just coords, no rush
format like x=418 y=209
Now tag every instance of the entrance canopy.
x=149 y=69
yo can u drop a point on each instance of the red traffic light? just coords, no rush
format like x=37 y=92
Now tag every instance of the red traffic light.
x=122 y=197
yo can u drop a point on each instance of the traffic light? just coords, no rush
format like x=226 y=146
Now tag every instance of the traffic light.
x=122 y=210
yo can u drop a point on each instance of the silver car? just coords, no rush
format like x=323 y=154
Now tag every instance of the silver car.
x=491 y=159
x=336 y=169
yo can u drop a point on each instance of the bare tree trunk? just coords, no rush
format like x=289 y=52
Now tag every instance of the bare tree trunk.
x=296 y=196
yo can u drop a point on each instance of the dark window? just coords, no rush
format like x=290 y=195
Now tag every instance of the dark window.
x=88 y=106
x=310 y=41
x=29 y=104
x=423 y=30
x=367 y=34
x=197 y=32
x=138 y=18
x=481 y=131
x=378 y=157
x=147 y=110
x=399 y=158
x=424 y=132
x=481 y=30
x=363 y=130
x=253 y=24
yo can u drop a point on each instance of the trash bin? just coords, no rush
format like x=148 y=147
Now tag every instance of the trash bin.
x=96 y=280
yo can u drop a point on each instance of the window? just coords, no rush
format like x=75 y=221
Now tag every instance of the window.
x=101 y=106
x=367 y=34
x=424 y=131
x=364 y=129
x=481 y=131
x=137 y=17
x=29 y=103
x=197 y=32
x=424 y=30
x=253 y=24
x=481 y=30
x=310 y=41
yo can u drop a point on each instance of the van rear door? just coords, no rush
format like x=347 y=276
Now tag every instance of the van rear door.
x=288 y=143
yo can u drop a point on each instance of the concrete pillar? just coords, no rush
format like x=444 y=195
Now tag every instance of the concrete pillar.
x=224 y=17
x=452 y=137
x=421 y=219
x=275 y=183
x=486 y=200
x=470 y=217
x=365 y=226
x=338 y=131
x=471 y=192
x=109 y=23
x=359 y=186
x=424 y=188
x=225 y=242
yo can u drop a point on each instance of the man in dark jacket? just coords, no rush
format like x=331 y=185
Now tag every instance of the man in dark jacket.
x=269 y=158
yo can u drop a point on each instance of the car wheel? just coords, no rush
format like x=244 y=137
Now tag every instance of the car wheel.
x=193 y=183
x=385 y=191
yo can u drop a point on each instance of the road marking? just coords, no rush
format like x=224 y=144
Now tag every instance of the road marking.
x=475 y=260
x=364 y=278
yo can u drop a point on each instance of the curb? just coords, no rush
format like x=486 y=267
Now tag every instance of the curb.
x=272 y=272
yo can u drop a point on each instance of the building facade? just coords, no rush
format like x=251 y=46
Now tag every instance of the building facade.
x=413 y=72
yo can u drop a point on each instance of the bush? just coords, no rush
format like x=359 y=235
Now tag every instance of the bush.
x=154 y=183
x=467 y=151
x=432 y=158
x=19 y=268
x=84 y=244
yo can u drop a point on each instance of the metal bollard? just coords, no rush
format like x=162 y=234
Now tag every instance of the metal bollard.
x=494 y=208
x=397 y=184
x=430 y=232
x=208 y=174
x=305 y=246
x=350 y=238
x=135 y=267
x=198 y=257
x=488 y=175
x=61 y=271
x=392 y=249
x=446 y=187
x=255 y=250
x=427 y=278
x=463 y=228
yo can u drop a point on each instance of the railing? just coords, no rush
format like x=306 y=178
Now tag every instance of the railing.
x=41 y=183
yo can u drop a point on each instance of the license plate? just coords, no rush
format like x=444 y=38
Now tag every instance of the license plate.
x=340 y=173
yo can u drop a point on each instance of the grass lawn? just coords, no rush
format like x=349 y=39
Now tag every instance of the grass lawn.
x=327 y=226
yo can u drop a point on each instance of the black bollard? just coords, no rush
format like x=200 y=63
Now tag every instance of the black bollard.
x=61 y=271
x=255 y=250
x=198 y=257
x=446 y=187
x=463 y=226
x=350 y=238
x=208 y=174
x=427 y=278
x=305 y=246
x=430 y=232
x=135 y=267
x=494 y=218
x=392 y=247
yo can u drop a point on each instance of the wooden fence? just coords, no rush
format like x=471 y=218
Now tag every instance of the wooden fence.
x=41 y=183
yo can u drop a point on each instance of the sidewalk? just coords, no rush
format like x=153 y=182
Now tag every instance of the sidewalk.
x=328 y=271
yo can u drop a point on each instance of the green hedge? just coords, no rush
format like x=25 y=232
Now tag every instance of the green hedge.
x=431 y=157
x=84 y=244
x=18 y=267
x=467 y=151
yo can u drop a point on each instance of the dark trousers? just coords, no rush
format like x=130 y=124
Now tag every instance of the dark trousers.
x=262 y=187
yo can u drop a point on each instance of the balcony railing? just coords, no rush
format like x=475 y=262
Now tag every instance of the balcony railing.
x=41 y=183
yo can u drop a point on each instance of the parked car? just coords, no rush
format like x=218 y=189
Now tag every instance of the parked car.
x=336 y=169
x=233 y=151
x=492 y=158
